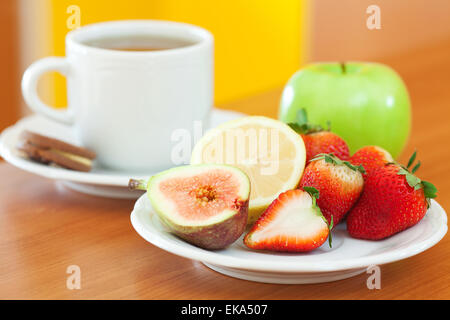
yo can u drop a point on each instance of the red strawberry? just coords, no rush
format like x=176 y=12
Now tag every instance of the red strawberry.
x=393 y=200
x=325 y=142
x=318 y=140
x=292 y=223
x=339 y=182
x=371 y=158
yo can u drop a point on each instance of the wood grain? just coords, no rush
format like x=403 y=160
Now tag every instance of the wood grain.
x=44 y=228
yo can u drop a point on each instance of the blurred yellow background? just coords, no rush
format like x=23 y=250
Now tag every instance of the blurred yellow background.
x=250 y=36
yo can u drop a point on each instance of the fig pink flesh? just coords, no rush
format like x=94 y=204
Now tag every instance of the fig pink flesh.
x=204 y=195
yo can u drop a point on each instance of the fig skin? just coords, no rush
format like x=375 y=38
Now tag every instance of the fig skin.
x=216 y=236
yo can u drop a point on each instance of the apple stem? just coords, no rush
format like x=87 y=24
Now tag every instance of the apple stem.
x=137 y=184
x=343 y=67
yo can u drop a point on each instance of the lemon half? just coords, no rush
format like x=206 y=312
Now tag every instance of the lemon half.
x=268 y=151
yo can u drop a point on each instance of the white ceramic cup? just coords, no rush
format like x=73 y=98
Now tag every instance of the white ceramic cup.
x=125 y=105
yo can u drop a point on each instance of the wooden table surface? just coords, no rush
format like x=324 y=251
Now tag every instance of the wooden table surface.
x=44 y=227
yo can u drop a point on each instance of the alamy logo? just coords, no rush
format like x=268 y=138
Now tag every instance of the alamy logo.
x=247 y=147
x=74 y=20
x=74 y=280
x=374 y=280
x=374 y=20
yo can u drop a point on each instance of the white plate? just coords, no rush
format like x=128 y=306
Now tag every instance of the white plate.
x=347 y=258
x=99 y=181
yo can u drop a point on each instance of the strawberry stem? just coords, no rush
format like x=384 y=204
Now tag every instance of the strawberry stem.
x=343 y=67
x=302 y=117
x=302 y=126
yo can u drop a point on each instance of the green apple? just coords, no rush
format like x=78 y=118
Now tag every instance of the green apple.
x=366 y=103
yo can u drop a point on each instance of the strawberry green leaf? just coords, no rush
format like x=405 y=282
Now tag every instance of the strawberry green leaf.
x=330 y=226
x=302 y=117
x=332 y=159
x=429 y=190
x=302 y=126
x=319 y=156
x=315 y=195
x=416 y=167
x=359 y=168
x=349 y=165
x=416 y=183
x=413 y=181
x=297 y=128
x=411 y=160
x=329 y=159
x=313 y=192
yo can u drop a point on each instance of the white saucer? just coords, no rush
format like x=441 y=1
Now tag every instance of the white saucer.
x=100 y=181
x=347 y=258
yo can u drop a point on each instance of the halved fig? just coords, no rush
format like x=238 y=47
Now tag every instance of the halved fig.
x=206 y=205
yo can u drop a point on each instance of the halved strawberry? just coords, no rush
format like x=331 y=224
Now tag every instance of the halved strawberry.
x=371 y=158
x=318 y=140
x=339 y=182
x=292 y=223
x=393 y=200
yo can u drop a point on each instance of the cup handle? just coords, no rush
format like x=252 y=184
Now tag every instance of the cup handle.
x=29 y=88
